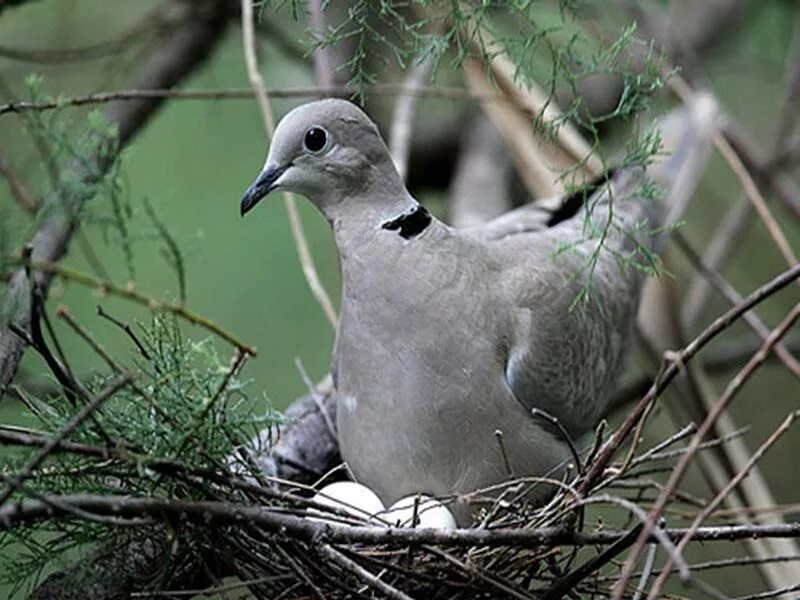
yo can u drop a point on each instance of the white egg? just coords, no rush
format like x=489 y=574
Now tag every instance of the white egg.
x=430 y=513
x=353 y=498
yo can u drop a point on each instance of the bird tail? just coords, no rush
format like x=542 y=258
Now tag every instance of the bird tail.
x=686 y=136
x=646 y=202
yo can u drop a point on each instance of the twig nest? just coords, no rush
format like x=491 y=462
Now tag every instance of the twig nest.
x=419 y=511
x=353 y=498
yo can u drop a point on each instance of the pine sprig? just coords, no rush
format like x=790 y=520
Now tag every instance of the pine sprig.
x=191 y=383
x=171 y=251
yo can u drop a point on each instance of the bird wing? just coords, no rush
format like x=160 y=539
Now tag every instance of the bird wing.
x=575 y=304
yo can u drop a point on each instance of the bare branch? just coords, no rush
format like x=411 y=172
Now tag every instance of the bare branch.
x=403 y=119
x=275 y=520
x=479 y=191
x=303 y=251
x=659 y=583
x=723 y=241
x=754 y=195
x=675 y=363
x=130 y=293
x=29 y=203
x=355 y=569
x=727 y=290
x=378 y=89
x=683 y=464
x=718 y=361
x=766 y=176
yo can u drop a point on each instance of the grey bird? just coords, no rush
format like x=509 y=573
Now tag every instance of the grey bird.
x=461 y=357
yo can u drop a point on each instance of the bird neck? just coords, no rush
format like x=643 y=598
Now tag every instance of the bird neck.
x=411 y=223
x=385 y=214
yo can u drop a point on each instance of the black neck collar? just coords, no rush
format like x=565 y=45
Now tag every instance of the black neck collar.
x=410 y=224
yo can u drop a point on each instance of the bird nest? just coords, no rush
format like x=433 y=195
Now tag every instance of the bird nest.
x=245 y=527
x=514 y=549
x=263 y=541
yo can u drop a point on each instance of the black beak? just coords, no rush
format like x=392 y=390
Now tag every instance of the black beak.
x=261 y=187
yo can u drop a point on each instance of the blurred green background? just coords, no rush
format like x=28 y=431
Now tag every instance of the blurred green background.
x=195 y=158
x=192 y=163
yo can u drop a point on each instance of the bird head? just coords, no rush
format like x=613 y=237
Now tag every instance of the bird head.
x=326 y=151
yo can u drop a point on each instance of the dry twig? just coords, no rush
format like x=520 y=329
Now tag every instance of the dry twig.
x=679 y=470
x=303 y=251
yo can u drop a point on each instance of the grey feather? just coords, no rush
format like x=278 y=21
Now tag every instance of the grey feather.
x=446 y=336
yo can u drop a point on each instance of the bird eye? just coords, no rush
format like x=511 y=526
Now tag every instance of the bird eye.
x=315 y=139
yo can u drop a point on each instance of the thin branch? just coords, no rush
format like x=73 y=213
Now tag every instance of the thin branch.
x=766 y=175
x=496 y=581
x=707 y=510
x=770 y=593
x=318 y=397
x=10 y=436
x=641 y=587
x=274 y=520
x=727 y=290
x=19 y=191
x=674 y=366
x=403 y=118
x=724 y=240
x=260 y=90
x=217 y=589
x=737 y=562
x=71 y=510
x=719 y=360
x=755 y=197
x=77 y=419
x=361 y=573
x=379 y=89
x=683 y=464
x=126 y=328
x=73 y=389
x=63 y=313
x=777 y=509
x=133 y=295
x=568 y=582
x=657 y=531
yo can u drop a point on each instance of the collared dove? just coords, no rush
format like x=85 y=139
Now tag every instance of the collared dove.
x=457 y=351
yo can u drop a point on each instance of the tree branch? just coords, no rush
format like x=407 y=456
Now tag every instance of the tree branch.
x=683 y=464
x=75 y=422
x=27 y=201
x=673 y=367
x=274 y=520
x=169 y=63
